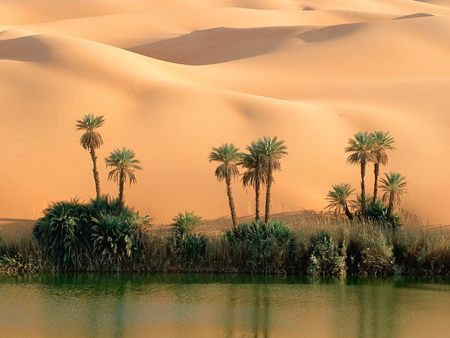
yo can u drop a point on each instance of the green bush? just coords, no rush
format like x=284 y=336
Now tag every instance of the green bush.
x=424 y=254
x=327 y=255
x=190 y=248
x=261 y=248
x=112 y=240
x=64 y=233
x=377 y=258
x=377 y=213
x=84 y=237
x=369 y=252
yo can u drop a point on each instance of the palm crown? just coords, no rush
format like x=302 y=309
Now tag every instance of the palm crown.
x=228 y=156
x=381 y=141
x=271 y=151
x=251 y=162
x=123 y=161
x=360 y=148
x=91 y=138
x=338 y=197
x=394 y=186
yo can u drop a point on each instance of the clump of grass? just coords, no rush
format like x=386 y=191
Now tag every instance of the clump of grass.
x=261 y=247
x=422 y=253
x=188 y=246
x=327 y=255
x=121 y=240
x=369 y=252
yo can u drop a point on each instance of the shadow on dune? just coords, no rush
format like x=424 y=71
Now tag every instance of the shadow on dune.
x=329 y=33
x=412 y=16
x=26 y=48
x=219 y=45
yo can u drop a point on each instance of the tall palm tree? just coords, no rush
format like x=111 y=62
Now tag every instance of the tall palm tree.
x=382 y=142
x=254 y=174
x=272 y=151
x=123 y=164
x=228 y=157
x=360 y=149
x=394 y=187
x=92 y=140
x=338 y=198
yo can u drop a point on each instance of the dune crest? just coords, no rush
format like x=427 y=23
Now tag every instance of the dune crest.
x=174 y=78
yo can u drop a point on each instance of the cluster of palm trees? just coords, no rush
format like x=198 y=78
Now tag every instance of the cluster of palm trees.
x=122 y=162
x=259 y=162
x=365 y=148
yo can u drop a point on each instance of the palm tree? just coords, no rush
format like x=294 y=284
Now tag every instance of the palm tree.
x=254 y=174
x=92 y=140
x=338 y=198
x=382 y=141
x=271 y=151
x=394 y=187
x=123 y=164
x=360 y=149
x=228 y=157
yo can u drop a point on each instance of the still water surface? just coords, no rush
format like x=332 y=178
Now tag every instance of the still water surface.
x=207 y=306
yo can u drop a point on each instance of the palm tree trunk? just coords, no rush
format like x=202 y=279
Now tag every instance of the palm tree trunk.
x=121 y=187
x=363 y=190
x=231 y=203
x=268 y=188
x=95 y=171
x=257 y=188
x=376 y=172
x=391 y=204
x=348 y=213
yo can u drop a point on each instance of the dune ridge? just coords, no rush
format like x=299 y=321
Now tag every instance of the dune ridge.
x=174 y=78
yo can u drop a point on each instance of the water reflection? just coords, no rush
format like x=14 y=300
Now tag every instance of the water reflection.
x=223 y=306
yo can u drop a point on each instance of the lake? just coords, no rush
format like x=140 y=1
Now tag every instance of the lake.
x=220 y=306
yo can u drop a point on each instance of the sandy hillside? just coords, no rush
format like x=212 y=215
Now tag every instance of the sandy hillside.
x=175 y=77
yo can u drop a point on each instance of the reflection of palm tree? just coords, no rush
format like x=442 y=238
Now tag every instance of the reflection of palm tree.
x=120 y=309
x=230 y=312
x=261 y=310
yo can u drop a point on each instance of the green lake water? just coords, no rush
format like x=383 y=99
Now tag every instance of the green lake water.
x=220 y=306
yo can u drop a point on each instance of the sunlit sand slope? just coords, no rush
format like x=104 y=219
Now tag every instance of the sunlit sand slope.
x=174 y=78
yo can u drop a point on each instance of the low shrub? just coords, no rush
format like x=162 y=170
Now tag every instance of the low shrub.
x=64 y=233
x=189 y=247
x=424 y=254
x=86 y=237
x=376 y=213
x=261 y=248
x=327 y=255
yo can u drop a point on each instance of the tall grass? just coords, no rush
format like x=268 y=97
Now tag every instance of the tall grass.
x=325 y=246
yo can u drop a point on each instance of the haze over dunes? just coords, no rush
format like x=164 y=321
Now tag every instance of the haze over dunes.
x=175 y=77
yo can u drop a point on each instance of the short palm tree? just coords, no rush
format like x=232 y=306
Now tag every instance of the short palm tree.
x=123 y=164
x=360 y=149
x=339 y=198
x=91 y=140
x=272 y=151
x=254 y=174
x=382 y=142
x=228 y=157
x=394 y=187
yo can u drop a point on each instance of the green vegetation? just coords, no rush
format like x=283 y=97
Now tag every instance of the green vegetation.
x=123 y=164
x=228 y=156
x=87 y=237
x=360 y=149
x=91 y=140
x=254 y=174
x=106 y=235
x=125 y=242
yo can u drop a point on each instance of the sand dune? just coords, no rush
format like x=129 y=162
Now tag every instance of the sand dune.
x=174 y=78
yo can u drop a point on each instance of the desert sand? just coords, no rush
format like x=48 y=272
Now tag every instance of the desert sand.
x=175 y=77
